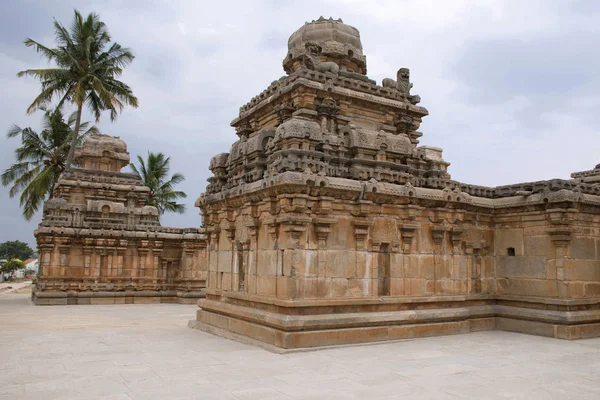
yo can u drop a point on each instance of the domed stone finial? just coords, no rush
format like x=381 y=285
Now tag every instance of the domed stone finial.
x=327 y=41
x=102 y=152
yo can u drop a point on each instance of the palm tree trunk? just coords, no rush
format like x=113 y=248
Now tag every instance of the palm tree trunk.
x=51 y=194
x=74 y=137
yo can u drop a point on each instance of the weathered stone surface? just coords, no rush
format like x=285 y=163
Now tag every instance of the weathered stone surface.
x=98 y=240
x=347 y=218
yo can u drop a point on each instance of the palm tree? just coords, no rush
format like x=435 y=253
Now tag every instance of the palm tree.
x=85 y=72
x=154 y=173
x=41 y=159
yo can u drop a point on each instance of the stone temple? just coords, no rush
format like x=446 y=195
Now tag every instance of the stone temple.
x=328 y=224
x=99 y=243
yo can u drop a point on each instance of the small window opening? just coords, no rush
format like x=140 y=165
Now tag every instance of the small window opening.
x=510 y=251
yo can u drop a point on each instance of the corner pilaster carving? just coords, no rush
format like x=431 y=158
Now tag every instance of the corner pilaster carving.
x=561 y=228
x=325 y=205
x=213 y=238
x=363 y=209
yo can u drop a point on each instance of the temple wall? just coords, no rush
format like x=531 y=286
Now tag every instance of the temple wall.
x=562 y=264
x=107 y=268
x=291 y=271
x=525 y=256
x=316 y=256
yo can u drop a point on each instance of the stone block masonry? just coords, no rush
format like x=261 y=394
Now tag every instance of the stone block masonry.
x=328 y=224
x=99 y=243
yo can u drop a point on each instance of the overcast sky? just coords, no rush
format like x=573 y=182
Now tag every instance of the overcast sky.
x=512 y=87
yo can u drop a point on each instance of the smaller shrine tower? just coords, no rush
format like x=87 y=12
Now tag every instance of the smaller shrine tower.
x=100 y=243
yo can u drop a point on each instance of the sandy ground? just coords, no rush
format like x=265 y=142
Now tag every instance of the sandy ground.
x=13 y=287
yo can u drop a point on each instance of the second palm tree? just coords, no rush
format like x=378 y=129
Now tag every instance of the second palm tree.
x=154 y=172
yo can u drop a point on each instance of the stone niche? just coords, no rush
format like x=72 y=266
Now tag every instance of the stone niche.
x=99 y=243
x=328 y=224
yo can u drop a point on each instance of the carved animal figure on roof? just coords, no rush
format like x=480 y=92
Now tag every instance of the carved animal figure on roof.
x=402 y=84
x=312 y=61
x=389 y=83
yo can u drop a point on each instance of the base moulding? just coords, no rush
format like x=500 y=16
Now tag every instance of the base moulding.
x=297 y=334
x=133 y=297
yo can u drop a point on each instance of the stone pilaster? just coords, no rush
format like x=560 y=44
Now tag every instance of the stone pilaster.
x=295 y=228
x=157 y=251
x=121 y=250
x=63 y=249
x=438 y=234
x=273 y=231
x=322 y=230
x=457 y=234
x=408 y=233
x=45 y=253
x=361 y=231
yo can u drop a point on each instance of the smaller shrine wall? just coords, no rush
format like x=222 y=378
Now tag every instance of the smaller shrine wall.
x=108 y=260
x=74 y=269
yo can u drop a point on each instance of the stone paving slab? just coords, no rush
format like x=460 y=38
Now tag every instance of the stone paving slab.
x=123 y=352
x=11 y=287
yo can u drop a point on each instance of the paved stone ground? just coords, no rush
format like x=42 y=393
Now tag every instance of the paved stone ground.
x=11 y=287
x=147 y=352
